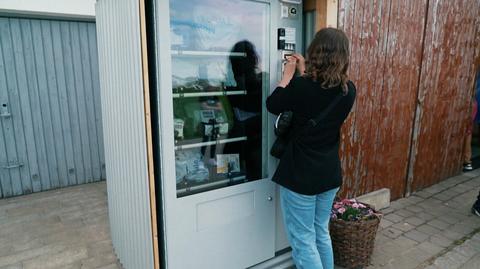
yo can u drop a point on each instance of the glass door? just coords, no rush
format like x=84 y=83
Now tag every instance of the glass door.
x=220 y=67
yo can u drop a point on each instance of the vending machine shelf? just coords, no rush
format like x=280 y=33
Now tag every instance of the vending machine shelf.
x=188 y=144
x=208 y=94
x=189 y=188
x=208 y=53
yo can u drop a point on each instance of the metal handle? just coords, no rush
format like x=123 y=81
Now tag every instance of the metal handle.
x=269 y=198
x=13 y=166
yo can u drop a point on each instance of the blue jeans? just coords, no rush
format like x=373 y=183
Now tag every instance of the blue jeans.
x=306 y=219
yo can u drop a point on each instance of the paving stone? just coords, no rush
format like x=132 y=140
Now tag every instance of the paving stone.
x=430 y=248
x=384 y=223
x=111 y=266
x=414 y=221
x=440 y=240
x=427 y=229
x=422 y=194
x=461 y=229
x=416 y=235
x=442 y=196
x=445 y=263
x=404 y=263
x=452 y=235
x=418 y=254
x=393 y=217
x=100 y=248
x=13 y=266
x=404 y=213
x=63 y=258
x=438 y=224
x=425 y=216
x=387 y=210
x=29 y=254
x=98 y=261
x=391 y=232
x=472 y=263
x=466 y=250
x=403 y=226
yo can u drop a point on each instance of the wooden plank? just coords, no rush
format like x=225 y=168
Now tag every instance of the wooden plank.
x=444 y=91
x=309 y=5
x=43 y=113
x=89 y=103
x=23 y=111
x=321 y=14
x=63 y=108
x=6 y=123
x=78 y=169
x=376 y=137
x=92 y=41
x=149 y=136
x=404 y=54
x=78 y=62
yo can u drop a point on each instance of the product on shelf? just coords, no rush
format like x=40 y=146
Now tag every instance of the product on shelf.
x=178 y=125
x=228 y=163
x=190 y=166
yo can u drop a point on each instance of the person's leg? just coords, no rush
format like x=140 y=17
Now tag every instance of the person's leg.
x=467 y=156
x=298 y=217
x=322 y=219
x=476 y=206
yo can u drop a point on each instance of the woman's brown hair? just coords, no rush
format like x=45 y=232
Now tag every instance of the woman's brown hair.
x=328 y=58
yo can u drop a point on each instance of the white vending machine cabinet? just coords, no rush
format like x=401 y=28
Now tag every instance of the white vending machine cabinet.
x=216 y=62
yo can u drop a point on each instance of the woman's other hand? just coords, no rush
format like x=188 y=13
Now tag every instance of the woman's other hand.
x=300 y=63
x=288 y=71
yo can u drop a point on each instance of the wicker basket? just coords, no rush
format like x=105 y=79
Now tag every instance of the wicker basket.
x=353 y=241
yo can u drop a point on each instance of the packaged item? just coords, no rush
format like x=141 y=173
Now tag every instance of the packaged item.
x=228 y=163
x=190 y=166
x=178 y=128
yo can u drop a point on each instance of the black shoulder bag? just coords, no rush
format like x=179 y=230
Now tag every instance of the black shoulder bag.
x=284 y=124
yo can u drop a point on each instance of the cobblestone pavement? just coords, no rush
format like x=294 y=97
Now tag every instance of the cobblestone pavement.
x=68 y=229
x=433 y=228
x=60 y=229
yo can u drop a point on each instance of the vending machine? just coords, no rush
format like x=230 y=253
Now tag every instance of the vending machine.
x=216 y=63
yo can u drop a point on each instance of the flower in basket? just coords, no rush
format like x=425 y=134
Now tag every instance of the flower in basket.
x=352 y=210
x=353 y=227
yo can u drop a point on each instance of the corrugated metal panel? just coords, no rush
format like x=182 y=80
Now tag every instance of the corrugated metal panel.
x=124 y=131
x=51 y=133
x=446 y=86
x=386 y=46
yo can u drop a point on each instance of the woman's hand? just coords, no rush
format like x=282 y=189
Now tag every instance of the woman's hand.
x=300 y=63
x=288 y=71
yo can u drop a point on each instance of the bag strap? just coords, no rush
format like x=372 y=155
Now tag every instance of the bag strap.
x=313 y=122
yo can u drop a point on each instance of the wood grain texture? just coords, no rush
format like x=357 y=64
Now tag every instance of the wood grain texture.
x=386 y=48
x=445 y=90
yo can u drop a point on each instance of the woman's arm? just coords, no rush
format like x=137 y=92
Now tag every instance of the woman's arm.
x=280 y=99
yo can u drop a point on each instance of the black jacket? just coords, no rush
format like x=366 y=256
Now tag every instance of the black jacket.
x=311 y=164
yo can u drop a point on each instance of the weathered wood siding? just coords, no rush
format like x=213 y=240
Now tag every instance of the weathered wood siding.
x=445 y=90
x=394 y=71
x=386 y=41
x=50 y=113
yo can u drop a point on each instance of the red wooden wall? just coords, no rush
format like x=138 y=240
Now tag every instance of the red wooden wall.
x=402 y=56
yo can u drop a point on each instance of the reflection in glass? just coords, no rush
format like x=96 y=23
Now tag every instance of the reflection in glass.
x=218 y=85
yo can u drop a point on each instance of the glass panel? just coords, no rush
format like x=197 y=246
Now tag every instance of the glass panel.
x=219 y=80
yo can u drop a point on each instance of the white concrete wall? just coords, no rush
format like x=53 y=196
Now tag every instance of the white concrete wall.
x=54 y=8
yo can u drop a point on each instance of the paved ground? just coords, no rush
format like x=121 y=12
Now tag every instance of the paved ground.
x=433 y=228
x=65 y=229
x=68 y=229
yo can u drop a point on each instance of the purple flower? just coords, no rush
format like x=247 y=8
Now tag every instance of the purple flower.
x=341 y=210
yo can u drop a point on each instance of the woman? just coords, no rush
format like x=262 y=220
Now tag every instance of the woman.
x=309 y=172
